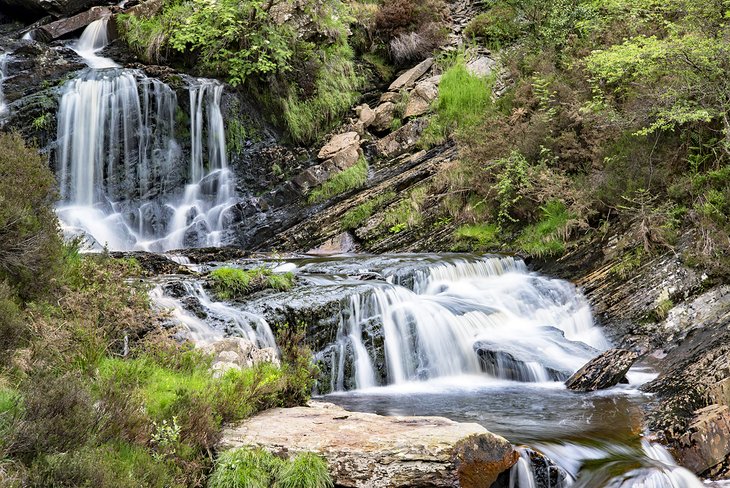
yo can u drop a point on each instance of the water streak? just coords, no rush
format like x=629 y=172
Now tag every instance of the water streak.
x=3 y=76
x=95 y=38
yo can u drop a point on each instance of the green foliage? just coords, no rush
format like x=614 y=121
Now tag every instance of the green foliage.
x=30 y=244
x=344 y=181
x=236 y=283
x=511 y=182
x=257 y=468
x=42 y=122
x=337 y=88
x=306 y=470
x=479 y=236
x=547 y=237
x=628 y=263
x=463 y=100
x=661 y=311
x=300 y=372
x=406 y=214
x=357 y=216
x=496 y=28
x=12 y=323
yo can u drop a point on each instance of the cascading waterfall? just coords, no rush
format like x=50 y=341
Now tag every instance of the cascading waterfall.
x=3 y=75
x=124 y=183
x=463 y=318
x=95 y=38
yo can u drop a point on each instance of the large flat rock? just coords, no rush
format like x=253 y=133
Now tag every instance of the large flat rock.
x=366 y=450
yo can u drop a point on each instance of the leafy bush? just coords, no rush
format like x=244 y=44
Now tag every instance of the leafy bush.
x=30 y=243
x=344 y=181
x=412 y=29
x=12 y=324
x=235 y=283
x=496 y=28
x=300 y=372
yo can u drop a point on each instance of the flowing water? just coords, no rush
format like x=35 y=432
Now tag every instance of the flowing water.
x=124 y=179
x=475 y=339
x=3 y=74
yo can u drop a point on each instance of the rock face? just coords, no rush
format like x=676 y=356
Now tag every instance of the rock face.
x=604 y=371
x=706 y=444
x=366 y=450
x=62 y=27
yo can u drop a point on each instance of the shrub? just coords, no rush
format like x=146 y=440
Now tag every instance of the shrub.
x=344 y=181
x=245 y=468
x=235 y=283
x=306 y=470
x=464 y=100
x=496 y=27
x=416 y=46
x=300 y=372
x=30 y=243
x=397 y=17
x=547 y=237
x=12 y=326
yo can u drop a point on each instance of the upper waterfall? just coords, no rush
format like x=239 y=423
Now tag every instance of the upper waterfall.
x=94 y=38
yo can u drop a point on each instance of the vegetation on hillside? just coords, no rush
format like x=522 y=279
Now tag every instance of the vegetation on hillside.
x=614 y=118
x=93 y=391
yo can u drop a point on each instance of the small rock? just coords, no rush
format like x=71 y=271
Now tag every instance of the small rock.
x=384 y=115
x=365 y=114
x=338 y=143
x=402 y=140
x=604 y=371
x=221 y=367
x=229 y=357
x=420 y=100
x=408 y=78
x=346 y=158
x=391 y=97
x=340 y=244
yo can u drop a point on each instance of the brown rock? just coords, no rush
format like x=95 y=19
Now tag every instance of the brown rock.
x=420 y=100
x=338 y=143
x=706 y=444
x=384 y=115
x=408 y=78
x=146 y=9
x=391 y=97
x=340 y=244
x=365 y=114
x=366 y=450
x=603 y=371
x=346 y=158
x=60 y=28
x=402 y=140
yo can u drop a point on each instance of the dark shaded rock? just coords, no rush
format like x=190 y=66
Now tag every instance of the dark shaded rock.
x=154 y=264
x=604 y=371
x=63 y=27
x=57 y=8
x=546 y=474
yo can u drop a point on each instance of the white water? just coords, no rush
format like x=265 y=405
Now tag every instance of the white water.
x=118 y=156
x=533 y=326
x=94 y=38
x=3 y=75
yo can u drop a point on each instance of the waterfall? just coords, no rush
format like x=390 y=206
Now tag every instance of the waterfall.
x=94 y=38
x=489 y=316
x=3 y=75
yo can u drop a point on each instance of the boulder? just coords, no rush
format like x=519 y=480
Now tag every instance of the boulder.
x=402 y=140
x=60 y=28
x=365 y=114
x=367 y=450
x=706 y=444
x=407 y=79
x=238 y=353
x=340 y=244
x=338 y=143
x=482 y=66
x=604 y=371
x=384 y=115
x=420 y=100
x=346 y=158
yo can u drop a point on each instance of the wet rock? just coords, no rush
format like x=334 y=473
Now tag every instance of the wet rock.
x=366 y=450
x=402 y=140
x=604 y=371
x=384 y=116
x=60 y=28
x=420 y=100
x=546 y=474
x=407 y=79
x=706 y=444
x=339 y=143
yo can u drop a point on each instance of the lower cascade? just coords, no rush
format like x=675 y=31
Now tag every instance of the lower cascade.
x=124 y=181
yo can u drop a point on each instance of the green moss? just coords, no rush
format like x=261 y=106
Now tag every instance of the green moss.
x=344 y=181
x=358 y=215
x=381 y=66
x=236 y=283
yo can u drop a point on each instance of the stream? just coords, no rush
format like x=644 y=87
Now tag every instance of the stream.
x=472 y=338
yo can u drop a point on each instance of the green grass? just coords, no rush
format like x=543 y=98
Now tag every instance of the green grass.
x=358 y=215
x=236 y=283
x=464 y=100
x=350 y=179
x=478 y=235
x=406 y=214
x=547 y=237
x=337 y=89
x=257 y=468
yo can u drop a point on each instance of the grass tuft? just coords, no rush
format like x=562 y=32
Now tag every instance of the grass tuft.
x=350 y=179
x=235 y=283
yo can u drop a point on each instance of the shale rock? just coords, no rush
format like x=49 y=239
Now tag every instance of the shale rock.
x=604 y=371
x=407 y=79
x=366 y=450
x=402 y=140
x=706 y=444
